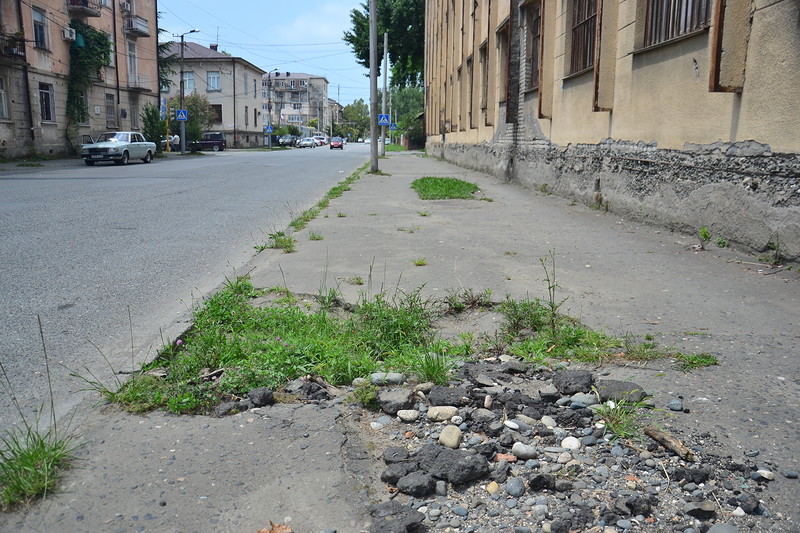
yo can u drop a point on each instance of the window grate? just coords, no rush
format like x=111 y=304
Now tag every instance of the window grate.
x=535 y=45
x=584 y=17
x=670 y=19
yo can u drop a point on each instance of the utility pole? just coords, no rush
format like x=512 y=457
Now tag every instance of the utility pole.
x=373 y=86
x=183 y=122
x=385 y=76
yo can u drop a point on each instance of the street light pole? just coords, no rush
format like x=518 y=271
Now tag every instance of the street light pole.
x=269 y=105
x=183 y=122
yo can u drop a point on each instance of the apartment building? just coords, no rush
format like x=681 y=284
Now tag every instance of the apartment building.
x=679 y=112
x=36 y=39
x=232 y=86
x=295 y=98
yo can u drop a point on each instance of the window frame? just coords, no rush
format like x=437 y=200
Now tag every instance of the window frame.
x=583 y=31
x=693 y=16
x=111 y=111
x=4 y=112
x=47 y=102
x=534 y=44
x=213 y=81
x=216 y=113
x=188 y=88
x=40 y=32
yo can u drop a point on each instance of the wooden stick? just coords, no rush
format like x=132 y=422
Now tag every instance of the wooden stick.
x=671 y=443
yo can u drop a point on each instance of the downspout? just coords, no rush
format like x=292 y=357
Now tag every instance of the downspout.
x=28 y=103
x=116 y=59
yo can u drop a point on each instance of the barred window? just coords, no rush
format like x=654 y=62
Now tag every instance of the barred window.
x=534 y=43
x=584 y=18
x=670 y=19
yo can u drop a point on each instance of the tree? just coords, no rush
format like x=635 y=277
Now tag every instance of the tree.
x=356 y=118
x=201 y=118
x=153 y=127
x=165 y=60
x=405 y=22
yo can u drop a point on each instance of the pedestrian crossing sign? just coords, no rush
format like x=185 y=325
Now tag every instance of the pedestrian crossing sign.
x=383 y=120
x=181 y=114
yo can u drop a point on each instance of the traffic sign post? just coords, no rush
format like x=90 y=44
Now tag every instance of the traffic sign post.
x=383 y=120
x=268 y=133
x=181 y=115
x=393 y=127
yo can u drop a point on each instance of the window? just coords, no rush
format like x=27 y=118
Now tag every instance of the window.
x=669 y=19
x=295 y=118
x=303 y=83
x=255 y=89
x=534 y=43
x=584 y=16
x=134 y=112
x=483 y=60
x=188 y=83
x=216 y=113
x=291 y=84
x=503 y=47
x=112 y=55
x=133 y=72
x=213 y=80
x=47 y=102
x=111 y=111
x=255 y=117
x=39 y=28
x=246 y=116
x=297 y=106
x=3 y=99
x=85 y=98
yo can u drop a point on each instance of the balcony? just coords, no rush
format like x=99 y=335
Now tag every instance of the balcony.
x=12 y=48
x=136 y=26
x=139 y=83
x=86 y=8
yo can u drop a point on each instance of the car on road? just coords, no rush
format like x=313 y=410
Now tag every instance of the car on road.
x=337 y=142
x=307 y=142
x=119 y=147
x=212 y=140
x=321 y=141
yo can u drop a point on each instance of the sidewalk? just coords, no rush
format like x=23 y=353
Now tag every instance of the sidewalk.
x=165 y=473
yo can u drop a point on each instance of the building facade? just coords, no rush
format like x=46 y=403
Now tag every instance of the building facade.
x=35 y=40
x=231 y=85
x=295 y=98
x=679 y=112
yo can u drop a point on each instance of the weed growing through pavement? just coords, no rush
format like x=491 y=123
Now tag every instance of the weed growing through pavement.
x=341 y=215
x=774 y=257
x=721 y=242
x=688 y=362
x=622 y=418
x=314 y=236
x=705 y=236
x=281 y=241
x=465 y=299
x=433 y=188
x=32 y=461
x=420 y=261
x=423 y=213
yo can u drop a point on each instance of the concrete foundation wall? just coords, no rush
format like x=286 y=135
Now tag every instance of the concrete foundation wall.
x=741 y=192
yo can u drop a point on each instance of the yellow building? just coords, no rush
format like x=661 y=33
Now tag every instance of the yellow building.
x=680 y=112
x=35 y=42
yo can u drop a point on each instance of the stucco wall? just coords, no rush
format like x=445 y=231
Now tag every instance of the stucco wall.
x=753 y=201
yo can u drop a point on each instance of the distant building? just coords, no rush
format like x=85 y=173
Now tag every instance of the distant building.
x=232 y=86
x=295 y=98
x=681 y=112
x=35 y=65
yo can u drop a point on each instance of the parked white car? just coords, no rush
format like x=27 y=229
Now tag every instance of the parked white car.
x=119 y=147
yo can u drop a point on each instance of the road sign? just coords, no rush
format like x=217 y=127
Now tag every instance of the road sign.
x=268 y=129
x=181 y=114
x=393 y=127
x=383 y=120
x=163 y=108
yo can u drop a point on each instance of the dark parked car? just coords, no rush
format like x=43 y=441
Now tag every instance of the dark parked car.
x=337 y=142
x=212 y=141
x=288 y=140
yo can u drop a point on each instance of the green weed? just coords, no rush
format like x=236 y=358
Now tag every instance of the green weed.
x=705 y=236
x=314 y=236
x=622 y=418
x=465 y=299
x=722 y=243
x=421 y=261
x=281 y=241
x=689 y=362
x=433 y=188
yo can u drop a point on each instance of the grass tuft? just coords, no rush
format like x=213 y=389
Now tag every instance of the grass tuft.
x=433 y=188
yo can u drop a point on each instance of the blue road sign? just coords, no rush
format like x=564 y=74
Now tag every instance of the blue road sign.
x=181 y=114
x=393 y=127
x=268 y=129
x=163 y=108
x=383 y=120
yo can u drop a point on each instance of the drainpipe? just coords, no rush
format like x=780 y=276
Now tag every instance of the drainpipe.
x=116 y=59
x=28 y=103
x=235 y=142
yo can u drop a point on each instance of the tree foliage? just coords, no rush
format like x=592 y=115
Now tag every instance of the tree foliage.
x=200 y=119
x=356 y=118
x=166 y=61
x=88 y=54
x=153 y=126
x=404 y=20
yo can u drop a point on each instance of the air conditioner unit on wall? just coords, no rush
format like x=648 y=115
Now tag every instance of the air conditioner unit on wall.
x=125 y=6
x=68 y=34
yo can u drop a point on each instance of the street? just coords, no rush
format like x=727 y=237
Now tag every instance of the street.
x=112 y=258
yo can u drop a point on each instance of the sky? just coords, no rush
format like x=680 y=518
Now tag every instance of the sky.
x=287 y=35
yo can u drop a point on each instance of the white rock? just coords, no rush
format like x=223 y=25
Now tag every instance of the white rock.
x=548 y=422
x=510 y=424
x=457 y=420
x=571 y=443
x=487 y=402
x=450 y=437
x=376 y=425
x=440 y=413
x=766 y=474
x=739 y=512
x=408 y=415
x=524 y=451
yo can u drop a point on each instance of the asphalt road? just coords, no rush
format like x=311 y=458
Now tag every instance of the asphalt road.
x=116 y=256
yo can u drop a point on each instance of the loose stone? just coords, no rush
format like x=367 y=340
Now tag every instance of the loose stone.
x=450 y=437
x=440 y=413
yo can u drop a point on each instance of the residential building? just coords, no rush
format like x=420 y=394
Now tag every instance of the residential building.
x=232 y=86
x=679 y=112
x=295 y=98
x=35 y=64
